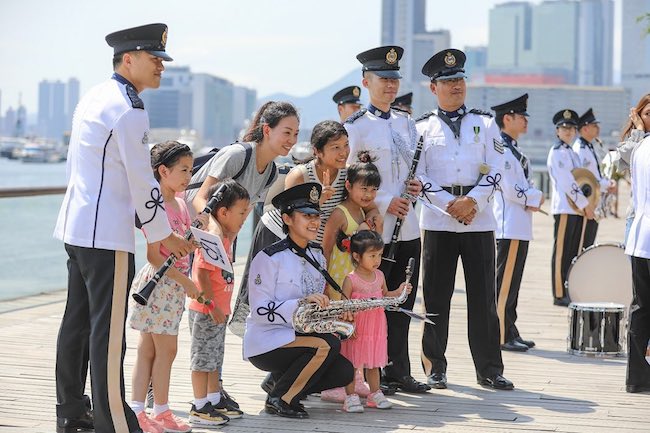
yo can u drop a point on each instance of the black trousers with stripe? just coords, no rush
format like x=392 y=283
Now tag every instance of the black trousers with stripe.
x=311 y=363
x=511 y=258
x=92 y=329
x=399 y=364
x=566 y=244
x=638 y=369
x=591 y=230
x=440 y=258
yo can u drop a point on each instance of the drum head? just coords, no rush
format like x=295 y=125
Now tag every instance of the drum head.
x=602 y=273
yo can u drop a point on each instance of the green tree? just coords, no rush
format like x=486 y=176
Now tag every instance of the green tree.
x=645 y=18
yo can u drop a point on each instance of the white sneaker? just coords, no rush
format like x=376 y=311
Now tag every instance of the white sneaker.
x=352 y=404
x=378 y=400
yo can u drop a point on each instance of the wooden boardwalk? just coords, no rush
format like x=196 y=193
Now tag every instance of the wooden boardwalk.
x=554 y=391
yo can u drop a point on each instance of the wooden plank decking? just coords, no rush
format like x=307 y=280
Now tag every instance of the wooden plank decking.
x=554 y=391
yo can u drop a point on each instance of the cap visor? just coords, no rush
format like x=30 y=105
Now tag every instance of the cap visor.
x=163 y=55
x=565 y=123
x=525 y=113
x=388 y=74
x=308 y=210
x=452 y=76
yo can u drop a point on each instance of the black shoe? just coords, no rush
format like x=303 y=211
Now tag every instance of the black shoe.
x=277 y=406
x=562 y=302
x=529 y=343
x=495 y=382
x=409 y=384
x=268 y=383
x=637 y=388
x=229 y=400
x=299 y=407
x=514 y=346
x=73 y=425
x=437 y=380
x=388 y=388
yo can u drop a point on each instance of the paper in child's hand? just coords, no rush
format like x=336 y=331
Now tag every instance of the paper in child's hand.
x=213 y=249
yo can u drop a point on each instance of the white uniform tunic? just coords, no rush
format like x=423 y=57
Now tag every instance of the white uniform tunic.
x=638 y=241
x=561 y=160
x=447 y=161
x=378 y=132
x=278 y=279
x=517 y=192
x=587 y=156
x=109 y=173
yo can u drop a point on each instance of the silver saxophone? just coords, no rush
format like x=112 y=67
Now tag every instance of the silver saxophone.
x=311 y=317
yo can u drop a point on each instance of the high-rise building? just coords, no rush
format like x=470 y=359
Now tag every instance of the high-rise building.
x=475 y=63
x=596 y=43
x=244 y=102
x=72 y=99
x=170 y=105
x=212 y=109
x=635 y=50
x=55 y=100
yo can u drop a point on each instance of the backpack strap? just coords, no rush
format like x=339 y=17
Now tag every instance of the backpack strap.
x=273 y=176
x=247 y=158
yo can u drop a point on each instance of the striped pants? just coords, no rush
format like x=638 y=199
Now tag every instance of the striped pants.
x=566 y=231
x=511 y=258
x=92 y=329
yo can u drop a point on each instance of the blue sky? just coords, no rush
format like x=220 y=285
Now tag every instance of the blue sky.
x=293 y=46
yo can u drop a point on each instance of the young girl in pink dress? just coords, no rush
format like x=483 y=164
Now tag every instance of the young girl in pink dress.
x=367 y=348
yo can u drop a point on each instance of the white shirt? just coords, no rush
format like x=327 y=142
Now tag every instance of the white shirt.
x=587 y=156
x=561 y=160
x=516 y=192
x=638 y=241
x=447 y=161
x=109 y=173
x=369 y=131
x=278 y=278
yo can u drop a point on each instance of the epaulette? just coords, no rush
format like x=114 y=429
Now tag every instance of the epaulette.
x=399 y=110
x=356 y=115
x=481 y=112
x=425 y=116
x=583 y=142
x=557 y=145
x=277 y=247
x=136 y=102
x=315 y=245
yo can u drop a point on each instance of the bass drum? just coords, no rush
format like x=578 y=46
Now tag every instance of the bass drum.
x=601 y=273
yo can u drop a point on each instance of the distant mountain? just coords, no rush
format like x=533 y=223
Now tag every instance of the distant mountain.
x=319 y=105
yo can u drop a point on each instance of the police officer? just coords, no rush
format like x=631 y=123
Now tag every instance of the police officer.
x=109 y=182
x=568 y=223
x=347 y=101
x=461 y=170
x=282 y=277
x=513 y=207
x=404 y=102
x=390 y=136
x=588 y=131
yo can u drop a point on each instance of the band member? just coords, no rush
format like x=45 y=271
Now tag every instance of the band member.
x=109 y=182
x=568 y=223
x=588 y=131
x=638 y=247
x=404 y=102
x=461 y=170
x=347 y=101
x=513 y=207
x=282 y=277
x=390 y=136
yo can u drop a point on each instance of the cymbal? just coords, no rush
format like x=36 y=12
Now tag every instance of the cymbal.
x=588 y=184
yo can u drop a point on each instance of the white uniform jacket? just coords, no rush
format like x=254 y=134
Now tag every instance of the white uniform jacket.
x=516 y=192
x=109 y=173
x=638 y=241
x=447 y=161
x=376 y=131
x=278 y=278
x=587 y=155
x=561 y=160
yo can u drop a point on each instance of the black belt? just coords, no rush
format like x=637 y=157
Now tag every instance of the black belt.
x=458 y=190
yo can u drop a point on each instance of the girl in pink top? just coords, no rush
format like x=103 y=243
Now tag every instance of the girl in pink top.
x=367 y=348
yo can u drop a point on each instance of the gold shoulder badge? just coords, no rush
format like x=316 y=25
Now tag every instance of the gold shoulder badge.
x=163 y=38
x=313 y=195
x=391 y=56
x=450 y=59
x=356 y=92
x=566 y=114
x=258 y=280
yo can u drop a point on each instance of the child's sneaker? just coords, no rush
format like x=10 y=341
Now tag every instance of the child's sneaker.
x=171 y=423
x=207 y=416
x=360 y=386
x=149 y=425
x=378 y=400
x=334 y=395
x=352 y=404
x=225 y=408
x=231 y=401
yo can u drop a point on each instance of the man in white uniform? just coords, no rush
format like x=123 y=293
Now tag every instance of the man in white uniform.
x=513 y=208
x=110 y=181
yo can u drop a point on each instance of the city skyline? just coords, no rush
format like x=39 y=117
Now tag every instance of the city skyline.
x=284 y=50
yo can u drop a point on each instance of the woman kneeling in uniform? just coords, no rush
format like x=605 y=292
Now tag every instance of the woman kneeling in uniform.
x=282 y=277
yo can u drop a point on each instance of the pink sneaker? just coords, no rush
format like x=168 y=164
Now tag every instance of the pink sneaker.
x=171 y=423
x=360 y=386
x=334 y=395
x=148 y=425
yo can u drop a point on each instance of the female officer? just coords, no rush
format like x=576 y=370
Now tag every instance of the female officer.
x=283 y=276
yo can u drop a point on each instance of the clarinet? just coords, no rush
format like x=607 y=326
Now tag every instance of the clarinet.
x=142 y=297
x=390 y=257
